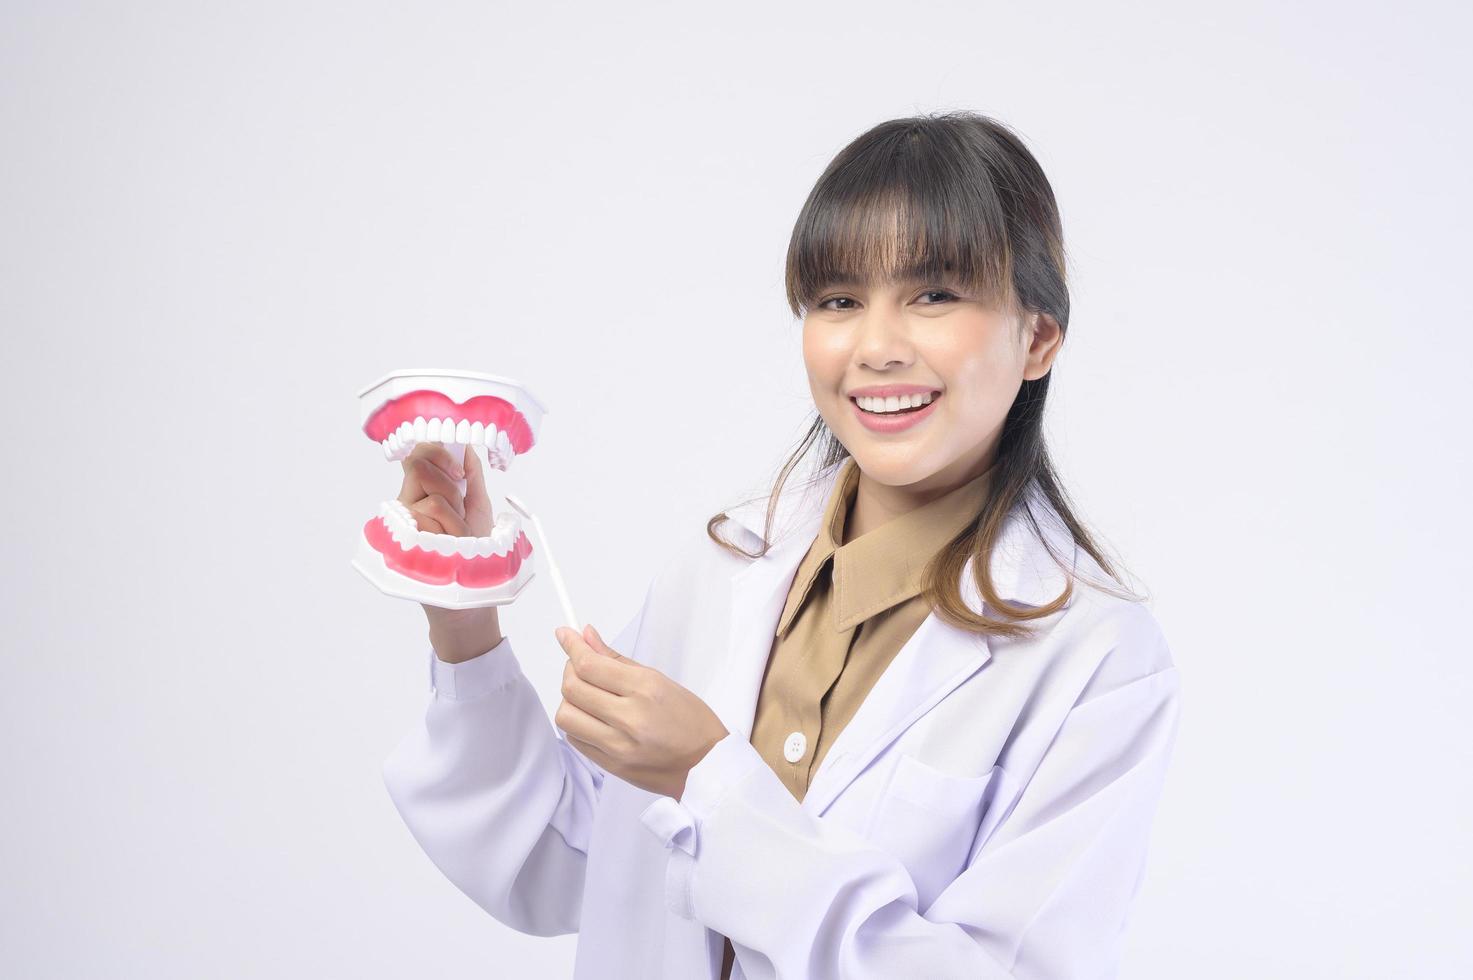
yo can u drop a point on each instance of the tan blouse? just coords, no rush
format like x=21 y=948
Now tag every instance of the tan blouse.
x=851 y=607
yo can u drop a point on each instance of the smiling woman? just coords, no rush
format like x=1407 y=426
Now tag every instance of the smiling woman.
x=894 y=740
x=929 y=260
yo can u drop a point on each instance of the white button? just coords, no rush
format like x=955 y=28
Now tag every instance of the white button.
x=794 y=746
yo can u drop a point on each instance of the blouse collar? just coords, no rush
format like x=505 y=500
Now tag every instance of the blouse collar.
x=884 y=567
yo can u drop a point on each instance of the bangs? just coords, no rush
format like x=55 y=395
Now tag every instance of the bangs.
x=898 y=218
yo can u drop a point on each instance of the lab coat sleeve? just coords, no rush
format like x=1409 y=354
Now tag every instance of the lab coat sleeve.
x=494 y=794
x=1044 y=897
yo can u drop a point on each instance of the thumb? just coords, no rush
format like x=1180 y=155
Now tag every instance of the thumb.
x=590 y=635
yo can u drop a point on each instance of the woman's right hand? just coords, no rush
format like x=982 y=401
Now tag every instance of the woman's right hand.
x=432 y=496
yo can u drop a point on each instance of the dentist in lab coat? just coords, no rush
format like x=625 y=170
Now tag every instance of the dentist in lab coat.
x=984 y=815
x=986 y=811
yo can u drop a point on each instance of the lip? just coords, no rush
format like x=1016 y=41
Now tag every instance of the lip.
x=894 y=423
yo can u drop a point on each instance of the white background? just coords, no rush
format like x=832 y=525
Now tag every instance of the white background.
x=218 y=222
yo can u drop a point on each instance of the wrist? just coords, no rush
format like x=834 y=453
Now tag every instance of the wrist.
x=461 y=638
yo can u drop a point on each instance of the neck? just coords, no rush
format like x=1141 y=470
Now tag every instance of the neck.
x=876 y=503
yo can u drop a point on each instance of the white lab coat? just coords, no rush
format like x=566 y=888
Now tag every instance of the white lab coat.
x=985 y=814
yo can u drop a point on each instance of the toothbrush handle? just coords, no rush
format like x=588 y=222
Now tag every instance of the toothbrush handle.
x=557 y=581
x=550 y=563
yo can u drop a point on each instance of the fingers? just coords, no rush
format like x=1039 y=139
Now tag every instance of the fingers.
x=437 y=511
x=436 y=453
x=594 y=640
x=475 y=477
x=591 y=698
x=621 y=677
x=421 y=463
x=432 y=481
x=477 y=503
x=600 y=758
x=580 y=724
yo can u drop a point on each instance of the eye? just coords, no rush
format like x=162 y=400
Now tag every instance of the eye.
x=823 y=305
x=937 y=292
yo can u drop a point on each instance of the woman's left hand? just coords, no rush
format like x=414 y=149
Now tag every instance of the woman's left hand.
x=631 y=719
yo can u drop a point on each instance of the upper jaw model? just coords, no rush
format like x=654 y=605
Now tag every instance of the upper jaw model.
x=466 y=411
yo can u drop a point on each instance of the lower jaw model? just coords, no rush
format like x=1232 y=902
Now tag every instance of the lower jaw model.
x=466 y=412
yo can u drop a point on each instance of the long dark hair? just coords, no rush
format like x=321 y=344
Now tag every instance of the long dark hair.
x=948 y=196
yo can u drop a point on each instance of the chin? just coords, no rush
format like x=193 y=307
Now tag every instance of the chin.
x=898 y=466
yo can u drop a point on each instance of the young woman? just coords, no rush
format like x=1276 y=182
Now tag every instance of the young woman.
x=901 y=720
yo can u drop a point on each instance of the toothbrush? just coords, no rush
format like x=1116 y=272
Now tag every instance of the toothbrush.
x=557 y=578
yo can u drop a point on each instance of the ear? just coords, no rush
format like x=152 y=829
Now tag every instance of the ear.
x=1045 y=340
x=591 y=637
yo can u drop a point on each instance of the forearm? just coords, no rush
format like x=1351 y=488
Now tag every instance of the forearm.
x=494 y=798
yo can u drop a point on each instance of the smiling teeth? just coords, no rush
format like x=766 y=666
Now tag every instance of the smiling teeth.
x=401 y=441
x=894 y=403
x=406 y=534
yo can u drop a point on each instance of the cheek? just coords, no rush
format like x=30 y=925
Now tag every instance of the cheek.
x=984 y=381
x=823 y=361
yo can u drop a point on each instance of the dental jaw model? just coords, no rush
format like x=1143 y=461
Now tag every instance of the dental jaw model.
x=464 y=411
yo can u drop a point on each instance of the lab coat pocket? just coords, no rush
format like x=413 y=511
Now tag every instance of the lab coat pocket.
x=929 y=819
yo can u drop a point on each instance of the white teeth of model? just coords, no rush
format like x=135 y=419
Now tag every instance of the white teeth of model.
x=483 y=546
x=478 y=434
x=503 y=445
x=447 y=431
x=388 y=450
x=465 y=547
x=463 y=431
x=432 y=430
x=420 y=425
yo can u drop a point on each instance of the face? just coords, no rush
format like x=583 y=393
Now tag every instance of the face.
x=973 y=358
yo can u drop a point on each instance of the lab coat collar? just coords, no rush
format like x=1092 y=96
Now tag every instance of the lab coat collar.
x=1022 y=568
x=933 y=662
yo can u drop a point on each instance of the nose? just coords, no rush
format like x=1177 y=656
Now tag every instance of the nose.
x=883 y=339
